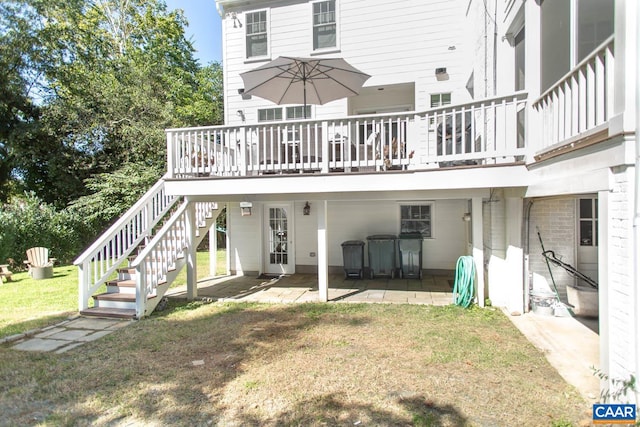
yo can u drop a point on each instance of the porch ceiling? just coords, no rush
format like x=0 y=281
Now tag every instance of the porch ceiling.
x=441 y=184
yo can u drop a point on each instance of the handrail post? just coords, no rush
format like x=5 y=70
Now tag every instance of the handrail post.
x=141 y=295
x=192 y=279
x=83 y=296
x=325 y=147
x=169 y=153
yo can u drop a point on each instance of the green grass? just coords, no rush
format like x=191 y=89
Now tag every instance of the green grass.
x=27 y=304
x=294 y=365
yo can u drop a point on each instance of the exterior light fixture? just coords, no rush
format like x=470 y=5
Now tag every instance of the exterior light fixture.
x=306 y=210
x=466 y=217
x=245 y=208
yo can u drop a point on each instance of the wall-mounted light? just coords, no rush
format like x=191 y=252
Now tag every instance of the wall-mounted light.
x=236 y=21
x=306 y=210
x=466 y=217
x=245 y=208
x=441 y=74
x=240 y=114
x=242 y=94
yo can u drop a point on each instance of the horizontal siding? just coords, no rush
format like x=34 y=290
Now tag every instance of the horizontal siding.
x=393 y=41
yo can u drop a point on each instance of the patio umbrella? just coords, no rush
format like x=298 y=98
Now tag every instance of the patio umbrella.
x=288 y=80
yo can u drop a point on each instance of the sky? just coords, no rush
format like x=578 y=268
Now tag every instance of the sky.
x=204 y=28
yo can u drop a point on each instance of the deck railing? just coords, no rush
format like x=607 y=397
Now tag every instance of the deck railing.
x=579 y=102
x=99 y=262
x=480 y=132
x=168 y=245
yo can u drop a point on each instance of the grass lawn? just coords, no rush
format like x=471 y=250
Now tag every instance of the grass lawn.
x=199 y=364
x=27 y=304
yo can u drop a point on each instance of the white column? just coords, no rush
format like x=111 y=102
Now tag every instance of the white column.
x=323 y=252
x=213 y=250
x=515 y=255
x=227 y=240
x=478 y=247
x=603 y=283
x=192 y=277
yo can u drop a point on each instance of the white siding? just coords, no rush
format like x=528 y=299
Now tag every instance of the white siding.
x=393 y=41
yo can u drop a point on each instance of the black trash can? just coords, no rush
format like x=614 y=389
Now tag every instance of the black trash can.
x=382 y=255
x=410 y=250
x=353 y=258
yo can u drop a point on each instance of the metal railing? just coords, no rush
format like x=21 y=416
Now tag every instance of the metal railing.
x=100 y=261
x=480 y=132
x=581 y=101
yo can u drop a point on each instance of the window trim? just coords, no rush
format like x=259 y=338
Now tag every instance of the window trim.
x=335 y=48
x=431 y=205
x=248 y=59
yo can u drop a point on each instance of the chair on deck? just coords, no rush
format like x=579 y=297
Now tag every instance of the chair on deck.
x=39 y=264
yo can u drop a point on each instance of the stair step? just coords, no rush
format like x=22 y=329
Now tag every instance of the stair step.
x=117 y=313
x=115 y=296
x=127 y=270
x=128 y=283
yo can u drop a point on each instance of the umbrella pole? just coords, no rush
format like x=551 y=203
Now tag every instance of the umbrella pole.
x=304 y=97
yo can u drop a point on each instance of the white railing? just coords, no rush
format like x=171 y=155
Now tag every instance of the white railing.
x=479 y=132
x=579 y=102
x=100 y=261
x=168 y=245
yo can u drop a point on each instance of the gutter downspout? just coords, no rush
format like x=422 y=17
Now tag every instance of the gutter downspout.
x=636 y=217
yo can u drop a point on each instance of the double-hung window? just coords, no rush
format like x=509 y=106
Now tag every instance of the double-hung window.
x=270 y=114
x=257 y=34
x=324 y=25
x=417 y=218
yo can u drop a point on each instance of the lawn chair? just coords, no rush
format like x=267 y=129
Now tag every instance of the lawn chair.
x=39 y=264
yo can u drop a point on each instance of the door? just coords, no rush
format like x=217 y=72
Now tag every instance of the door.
x=278 y=228
x=588 y=238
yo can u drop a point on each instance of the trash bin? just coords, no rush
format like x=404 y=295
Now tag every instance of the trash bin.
x=353 y=258
x=382 y=255
x=410 y=250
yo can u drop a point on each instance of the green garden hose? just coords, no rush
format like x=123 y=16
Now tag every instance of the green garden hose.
x=463 y=285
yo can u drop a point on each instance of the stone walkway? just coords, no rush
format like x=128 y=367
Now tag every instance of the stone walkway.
x=66 y=335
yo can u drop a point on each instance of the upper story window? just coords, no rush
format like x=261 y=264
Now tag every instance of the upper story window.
x=257 y=34
x=324 y=25
x=269 y=114
x=298 y=112
x=440 y=99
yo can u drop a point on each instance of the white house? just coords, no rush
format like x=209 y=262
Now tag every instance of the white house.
x=490 y=127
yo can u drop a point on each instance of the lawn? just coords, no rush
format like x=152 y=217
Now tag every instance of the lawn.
x=26 y=304
x=199 y=364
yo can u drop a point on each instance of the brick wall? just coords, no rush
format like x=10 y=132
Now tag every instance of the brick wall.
x=556 y=220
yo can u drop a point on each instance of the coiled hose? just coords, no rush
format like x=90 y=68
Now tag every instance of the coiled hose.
x=463 y=286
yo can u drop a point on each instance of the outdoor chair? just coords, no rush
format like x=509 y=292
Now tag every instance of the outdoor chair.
x=39 y=264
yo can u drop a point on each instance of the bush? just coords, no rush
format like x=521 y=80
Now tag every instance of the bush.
x=28 y=222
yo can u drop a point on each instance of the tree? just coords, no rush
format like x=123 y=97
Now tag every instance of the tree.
x=110 y=76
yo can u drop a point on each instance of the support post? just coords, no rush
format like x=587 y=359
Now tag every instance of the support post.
x=213 y=250
x=478 y=247
x=323 y=253
x=192 y=277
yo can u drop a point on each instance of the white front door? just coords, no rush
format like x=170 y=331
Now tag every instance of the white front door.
x=588 y=238
x=278 y=228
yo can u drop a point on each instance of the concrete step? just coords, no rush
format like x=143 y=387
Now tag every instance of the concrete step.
x=117 y=313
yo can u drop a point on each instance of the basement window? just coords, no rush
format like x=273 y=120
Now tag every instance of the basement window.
x=417 y=218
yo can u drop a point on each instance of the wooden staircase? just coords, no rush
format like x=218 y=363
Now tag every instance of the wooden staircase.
x=119 y=300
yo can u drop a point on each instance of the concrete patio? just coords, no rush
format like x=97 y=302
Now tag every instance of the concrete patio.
x=430 y=290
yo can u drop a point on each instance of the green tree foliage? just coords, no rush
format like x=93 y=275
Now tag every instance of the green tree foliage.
x=111 y=75
x=28 y=222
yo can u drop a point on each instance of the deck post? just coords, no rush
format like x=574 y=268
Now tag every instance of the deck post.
x=323 y=253
x=213 y=250
x=192 y=278
x=478 y=247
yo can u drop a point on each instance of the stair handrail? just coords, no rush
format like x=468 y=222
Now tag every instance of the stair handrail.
x=97 y=263
x=161 y=253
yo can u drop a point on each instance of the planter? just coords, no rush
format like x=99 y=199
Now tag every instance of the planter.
x=583 y=300
x=542 y=303
x=38 y=273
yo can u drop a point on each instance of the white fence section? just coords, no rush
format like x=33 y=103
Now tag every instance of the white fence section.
x=161 y=254
x=101 y=260
x=581 y=101
x=480 y=132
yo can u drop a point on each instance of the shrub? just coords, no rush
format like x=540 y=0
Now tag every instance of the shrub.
x=28 y=222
